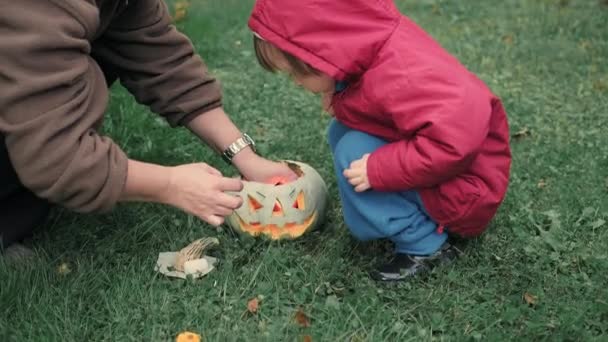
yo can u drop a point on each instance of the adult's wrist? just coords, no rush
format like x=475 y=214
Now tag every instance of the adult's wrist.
x=147 y=183
x=244 y=158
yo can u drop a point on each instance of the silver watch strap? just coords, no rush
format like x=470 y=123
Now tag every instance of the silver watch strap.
x=237 y=146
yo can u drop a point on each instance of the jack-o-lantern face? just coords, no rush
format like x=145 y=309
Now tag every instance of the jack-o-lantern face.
x=282 y=210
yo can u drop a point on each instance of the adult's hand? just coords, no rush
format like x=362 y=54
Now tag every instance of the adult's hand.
x=197 y=189
x=201 y=190
x=258 y=169
x=217 y=130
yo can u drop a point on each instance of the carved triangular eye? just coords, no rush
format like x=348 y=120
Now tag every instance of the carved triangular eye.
x=254 y=205
x=300 y=203
x=277 y=210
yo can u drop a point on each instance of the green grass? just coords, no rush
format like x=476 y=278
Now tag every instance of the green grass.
x=547 y=59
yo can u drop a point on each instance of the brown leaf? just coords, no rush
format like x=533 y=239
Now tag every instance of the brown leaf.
x=253 y=305
x=530 y=299
x=542 y=184
x=600 y=85
x=508 y=39
x=307 y=338
x=302 y=319
x=436 y=9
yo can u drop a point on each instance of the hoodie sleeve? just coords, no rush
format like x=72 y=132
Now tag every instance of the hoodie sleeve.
x=157 y=64
x=447 y=119
x=51 y=97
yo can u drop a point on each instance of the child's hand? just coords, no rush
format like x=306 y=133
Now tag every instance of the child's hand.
x=357 y=174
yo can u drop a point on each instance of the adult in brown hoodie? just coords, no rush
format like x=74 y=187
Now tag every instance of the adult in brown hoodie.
x=57 y=58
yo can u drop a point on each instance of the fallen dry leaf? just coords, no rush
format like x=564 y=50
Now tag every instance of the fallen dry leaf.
x=541 y=184
x=522 y=133
x=436 y=9
x=585 y=44
x=530 y=299
x=302 y=319
x=253 y=305
x=181 y=10
x=64 y=269
x=600 y=85
x=188 y=336
x=307 y=338
x=508 y=39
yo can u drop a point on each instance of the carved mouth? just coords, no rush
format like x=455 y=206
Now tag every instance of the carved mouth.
x=290 y=229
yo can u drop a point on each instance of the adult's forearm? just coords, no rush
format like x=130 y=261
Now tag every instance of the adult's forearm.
x=217 y=130
x=146 y=182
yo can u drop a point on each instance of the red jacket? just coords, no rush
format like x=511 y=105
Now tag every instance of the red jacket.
x=448 y=134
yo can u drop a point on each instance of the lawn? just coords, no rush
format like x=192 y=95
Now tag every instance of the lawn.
x=539 y=273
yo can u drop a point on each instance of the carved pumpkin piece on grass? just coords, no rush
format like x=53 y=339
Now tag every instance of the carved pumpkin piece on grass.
x=282 y=210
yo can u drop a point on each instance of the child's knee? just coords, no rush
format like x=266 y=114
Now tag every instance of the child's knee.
x=335 y=132
x=351 y=147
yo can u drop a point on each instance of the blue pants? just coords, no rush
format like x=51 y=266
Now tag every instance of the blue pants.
x=398 y=216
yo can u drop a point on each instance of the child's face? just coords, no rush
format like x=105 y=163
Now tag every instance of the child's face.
x=317 y=84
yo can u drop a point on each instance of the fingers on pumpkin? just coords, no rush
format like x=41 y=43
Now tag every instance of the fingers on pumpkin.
x=223 y=211
x=214 y=220
x=229 y=201
x=231 y=184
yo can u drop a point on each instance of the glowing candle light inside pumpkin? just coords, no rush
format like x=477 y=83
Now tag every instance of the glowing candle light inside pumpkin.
x=282 y=208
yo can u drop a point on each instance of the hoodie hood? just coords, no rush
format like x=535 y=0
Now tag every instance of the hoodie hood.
x=338 y=37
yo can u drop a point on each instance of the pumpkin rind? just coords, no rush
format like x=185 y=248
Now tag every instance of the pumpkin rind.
x=283 y=211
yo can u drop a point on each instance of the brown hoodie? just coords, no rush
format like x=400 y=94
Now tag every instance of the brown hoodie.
x=53 y=94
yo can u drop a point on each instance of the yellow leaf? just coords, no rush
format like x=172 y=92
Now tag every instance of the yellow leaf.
x=187 y=336
x=181 y=10
x=179 y=15
x=64 y=269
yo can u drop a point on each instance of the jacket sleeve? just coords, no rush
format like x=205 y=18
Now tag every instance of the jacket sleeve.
x=157 y=64
x=51 y=98
x=447 y=119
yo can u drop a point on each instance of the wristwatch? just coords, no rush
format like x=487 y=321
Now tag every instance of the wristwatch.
x=237 y=146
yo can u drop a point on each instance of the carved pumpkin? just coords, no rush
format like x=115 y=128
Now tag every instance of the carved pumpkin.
x=282 y=210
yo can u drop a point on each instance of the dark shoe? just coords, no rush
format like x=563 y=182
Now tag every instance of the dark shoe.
x=405 y=266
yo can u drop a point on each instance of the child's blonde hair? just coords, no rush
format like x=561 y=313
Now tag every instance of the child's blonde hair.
x=265 y=50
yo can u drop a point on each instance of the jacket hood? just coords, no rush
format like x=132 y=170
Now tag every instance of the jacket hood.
x=337 y=37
